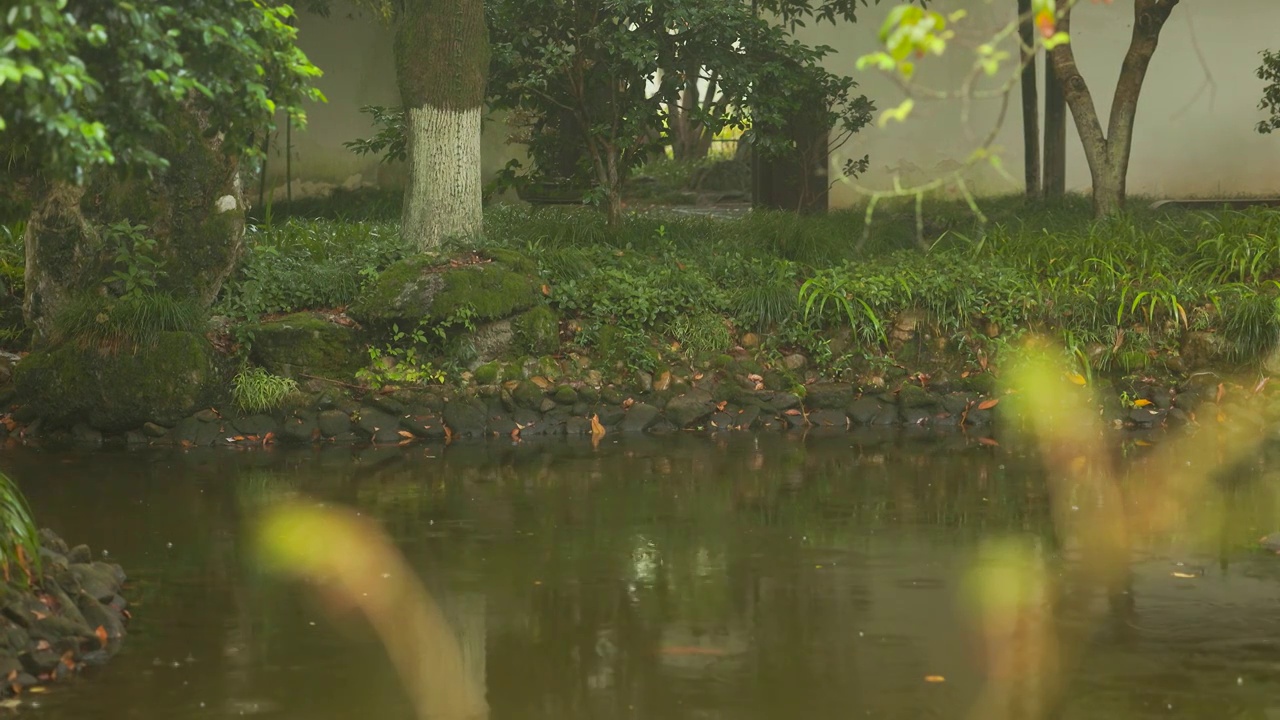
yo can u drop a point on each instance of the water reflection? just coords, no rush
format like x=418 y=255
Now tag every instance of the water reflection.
x=677 y=577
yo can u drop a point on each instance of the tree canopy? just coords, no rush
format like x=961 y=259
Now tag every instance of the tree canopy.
x=86 y=83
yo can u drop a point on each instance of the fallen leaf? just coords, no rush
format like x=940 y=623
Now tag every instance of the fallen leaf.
x=1077 y=378
x=69 y=660
x=697 y=376
x=1184 y=575
x=515 y=434
x=42 y=644
x=1261 y=385
x=626 y=404
x=268 y=438
x=448 y=435
x=1143 y=402
x=546 y=290
x=405 y=434
x=792 y=411
x=964 y=374
x=988 y=404
x=934 y=679
x=754 y=378
x=988 y=442
x=1222 y=390
x=597 y=430
x=721 y=405
x=1144 y=443
x=37 y=690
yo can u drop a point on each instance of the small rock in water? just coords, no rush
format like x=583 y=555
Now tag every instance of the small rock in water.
x=1270 y=543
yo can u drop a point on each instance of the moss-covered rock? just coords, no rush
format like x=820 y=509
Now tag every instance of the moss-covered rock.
x=308 y=343
x=433 y=289
x=160 y=383
x=537 y=331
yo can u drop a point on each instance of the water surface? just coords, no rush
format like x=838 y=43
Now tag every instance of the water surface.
x=752 y=577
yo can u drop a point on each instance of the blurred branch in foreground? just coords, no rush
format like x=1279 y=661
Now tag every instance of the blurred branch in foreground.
x=355 y=564
x=1101 y=510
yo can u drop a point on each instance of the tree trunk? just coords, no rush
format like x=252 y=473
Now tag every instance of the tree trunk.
x=442 y=61
x=1108 y=151
x=1030 y=101
x=1055 y=135
x=193 y=209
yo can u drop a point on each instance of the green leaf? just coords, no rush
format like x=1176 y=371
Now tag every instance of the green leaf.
x=898 y=113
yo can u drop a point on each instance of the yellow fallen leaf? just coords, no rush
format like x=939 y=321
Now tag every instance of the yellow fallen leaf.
x=1141 y=403
x=1077 y=378
x=1184 y=575
x=934 y=679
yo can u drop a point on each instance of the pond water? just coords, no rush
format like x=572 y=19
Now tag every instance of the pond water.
x=765 y=576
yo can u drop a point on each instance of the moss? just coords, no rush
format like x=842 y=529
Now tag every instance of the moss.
x=488 y=373
x=537 y=331
x=307 y=343
x=492 y=291
x=419 y=288
x=159 y=384
x=512 y=259
x=565 y=395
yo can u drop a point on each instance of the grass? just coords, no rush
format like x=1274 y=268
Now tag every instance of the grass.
x=124 y=323
x=254 y=390
x=1121 y=292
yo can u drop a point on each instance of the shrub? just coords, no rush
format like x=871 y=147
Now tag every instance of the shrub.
x=254 y=390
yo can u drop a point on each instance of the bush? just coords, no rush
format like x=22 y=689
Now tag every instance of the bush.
x=255 y=390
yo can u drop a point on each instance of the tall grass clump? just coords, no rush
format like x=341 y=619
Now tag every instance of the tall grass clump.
x=19 y=539
x=254 y=390
x=125 y=323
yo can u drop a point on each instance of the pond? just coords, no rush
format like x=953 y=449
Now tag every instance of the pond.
x=750 y=576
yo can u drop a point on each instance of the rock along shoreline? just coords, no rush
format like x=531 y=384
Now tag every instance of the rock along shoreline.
x=529 y=408
x=68 y=617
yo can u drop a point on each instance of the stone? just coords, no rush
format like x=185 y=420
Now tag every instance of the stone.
x=50 y=540
x=97 y=615
x=829 y=418
x=610 y=415
x=427 y=427
x=333 y=422
x=747 y=418
x=308 y=343
x=577 y=426
x=80 y=554
x=371 y=420
x=300 y=430
x=385 y=403
x=466 y=418
x=489 y=342
x=914 y=396
x=430 y=289
x=1147 y=417
x=686 y=410
x=207 y=415
x=488 y=373
x=565 y=395
x=192 y=432
x=536 y=331
x=888 y=415
x=750 y=340
x=96 y=582
x=527 y=394
x=864 y=410
x=639 y=417
x=828 y=396
x=256 y=425
x=916 y=416
x=644 y=382
x=153 y=430
x=781 y=402
x=86 y=437
x=161 y=383
x=39 y=662
x=547 y=405
x=795 y=362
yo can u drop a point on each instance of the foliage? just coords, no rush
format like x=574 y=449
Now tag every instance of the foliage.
x=390 y=141
x=1269 y=72
x=125 y=323
x=403 y=362
x=577 y=77
x=701 y=334
x=254 y=390
x=308 y=264
x=19 y=539
x=86 y=83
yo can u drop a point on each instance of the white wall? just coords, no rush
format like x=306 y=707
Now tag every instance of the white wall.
x=1191 y=139
x=354 y=49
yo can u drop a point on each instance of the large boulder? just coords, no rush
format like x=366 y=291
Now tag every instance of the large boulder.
x=161 y=382
x=308 y=343
x=435 y=290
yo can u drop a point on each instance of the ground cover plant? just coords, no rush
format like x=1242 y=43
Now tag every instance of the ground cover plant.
x=1128 y=294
